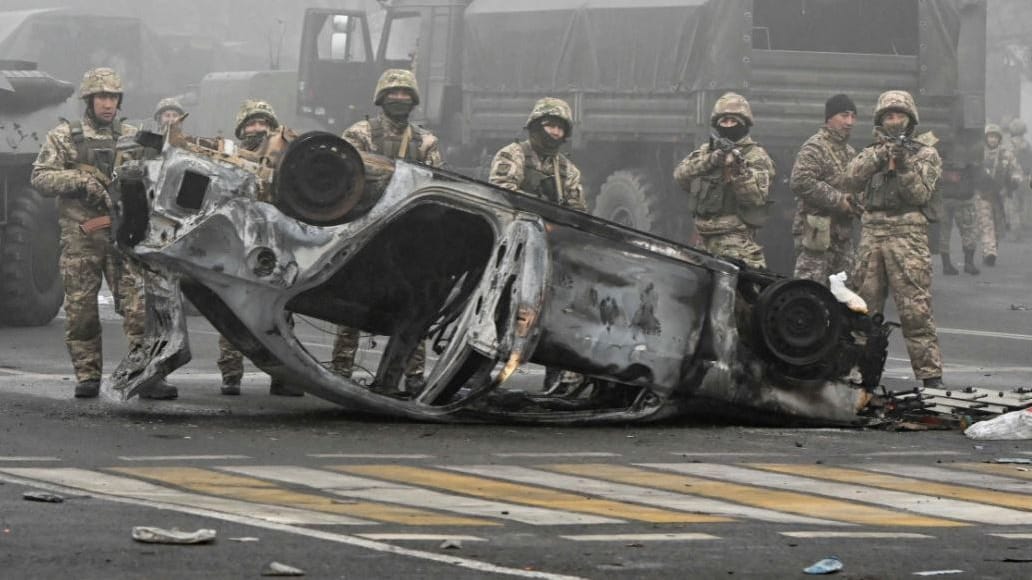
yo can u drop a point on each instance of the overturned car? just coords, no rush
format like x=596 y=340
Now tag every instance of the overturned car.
x=492 y=279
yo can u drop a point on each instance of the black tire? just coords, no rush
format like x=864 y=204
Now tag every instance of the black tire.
x=31 y=291
x=629 y=198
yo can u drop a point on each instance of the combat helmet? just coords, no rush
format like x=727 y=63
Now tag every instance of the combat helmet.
x=1017 y=127
x=732 y=104
x=168 y=104
x=901 y=101
x=252 y=108
x=395 y=78
x=993 y=128
x=100 y=80
x=552 y=107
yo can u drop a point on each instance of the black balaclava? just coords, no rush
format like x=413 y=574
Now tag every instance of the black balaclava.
x=398 y=110
x=541 y=141
x=735 y=133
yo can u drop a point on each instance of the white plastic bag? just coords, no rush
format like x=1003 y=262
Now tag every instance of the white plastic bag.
x=1009 y=426
x=837 y=284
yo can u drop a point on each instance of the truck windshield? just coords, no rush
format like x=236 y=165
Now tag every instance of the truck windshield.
x=340 y=38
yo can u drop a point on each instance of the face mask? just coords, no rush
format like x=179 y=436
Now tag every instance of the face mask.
x=896 y=129
x=253 y=141
x=398 y=110
x=542 y=142
x=733 y=133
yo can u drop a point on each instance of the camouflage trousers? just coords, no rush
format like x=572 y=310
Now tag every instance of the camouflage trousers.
x=230 y=362
x=85 y=261
x=986 y=225
x=898 y=259
x=1012 y=209
x=961 y=211
x=740 y=245
x=345 y=347
x=817 y=266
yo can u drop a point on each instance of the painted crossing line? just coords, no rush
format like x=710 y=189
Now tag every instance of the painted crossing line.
x=371 y=489
x=495 y=489
x=941 y=474
x=758 y=497
x=676 y=500
x=905 y=484
x=1016 y=471
x=127 y=487
x=911 y=502
x=250 y=489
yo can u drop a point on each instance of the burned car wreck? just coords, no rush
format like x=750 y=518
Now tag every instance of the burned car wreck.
x=492 y=279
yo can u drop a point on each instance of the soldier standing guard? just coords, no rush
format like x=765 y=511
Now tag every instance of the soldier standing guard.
x=1022 y=150
x=735 y=175
x=76 y=164
x=1006 y=175
x=898 y=177
x=392 y=135
x=826 y=212
x=168 y=111
x=536 y=166
x=255 y=120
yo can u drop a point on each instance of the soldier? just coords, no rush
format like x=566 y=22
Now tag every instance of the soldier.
x=392 y=135
x=167 y=112
x=255 y=120
x=536 y=166
x=76 y=164
x=826 y=212
x=898 y=178
x=1006 y=174
x=1023 y=153
x=958 y=185
x=735 y=176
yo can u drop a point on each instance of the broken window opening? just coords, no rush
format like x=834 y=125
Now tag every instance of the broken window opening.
x=192 y=190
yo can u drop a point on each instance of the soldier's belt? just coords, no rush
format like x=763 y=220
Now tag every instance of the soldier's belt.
x=96 y=224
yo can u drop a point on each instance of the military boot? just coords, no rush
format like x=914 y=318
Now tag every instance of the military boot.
x=414 y=384
x=230 y=387
x=162 y=391
x=969 y=263
x=87 y=389
x=947 y=265
x=932 y=383
x=989 y=260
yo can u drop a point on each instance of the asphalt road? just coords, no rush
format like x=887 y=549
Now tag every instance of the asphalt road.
x=347 y=496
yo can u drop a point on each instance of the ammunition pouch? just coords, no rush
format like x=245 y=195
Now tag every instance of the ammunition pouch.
x=817 y=233
x=883 y=193
x=539 y=183
x=96 y=224
x=714 y=198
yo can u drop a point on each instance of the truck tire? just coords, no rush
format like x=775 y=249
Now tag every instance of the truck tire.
x=629 y=198
x=31 y=291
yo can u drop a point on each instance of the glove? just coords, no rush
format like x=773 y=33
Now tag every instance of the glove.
x=717 y=158
x=899 y=156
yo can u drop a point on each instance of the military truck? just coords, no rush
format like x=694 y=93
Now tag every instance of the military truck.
x=30 y=284
x=642 y=77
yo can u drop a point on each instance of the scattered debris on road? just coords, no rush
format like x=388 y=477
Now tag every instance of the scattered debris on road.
x=1007 y=427
x=826 y=566
x=150 y=535
x=1012 y=460
x=280 y=569
x=243 y=539
x=42 y=496
x=938 y=572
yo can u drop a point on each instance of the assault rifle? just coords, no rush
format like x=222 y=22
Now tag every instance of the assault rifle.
x=904 y=142
x=727 y=146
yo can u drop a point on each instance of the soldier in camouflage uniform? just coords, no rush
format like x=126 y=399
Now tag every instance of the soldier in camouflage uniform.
x=958 y=185
x=76 y=164
x=1022 y=150
x=167 y=112
x=255 y=120
x=735 y=176
x=536 y=166
x=826 y=212
x=899 y=181
x=392 y=135
x=1006 y=174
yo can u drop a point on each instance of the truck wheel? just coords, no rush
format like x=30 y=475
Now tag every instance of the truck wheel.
x=31 y=291
x=629 y=198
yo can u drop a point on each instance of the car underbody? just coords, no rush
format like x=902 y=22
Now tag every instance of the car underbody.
x=491 y=279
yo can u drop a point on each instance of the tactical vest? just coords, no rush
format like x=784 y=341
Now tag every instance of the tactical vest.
x=98 y=153
x=389 y=144
x=884 y=193
x=716 y=198
x=536 y=181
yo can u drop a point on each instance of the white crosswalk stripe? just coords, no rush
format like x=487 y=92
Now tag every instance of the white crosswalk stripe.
x=943 y=475
x=374 y=490
x=911 y=502
x=636 y=494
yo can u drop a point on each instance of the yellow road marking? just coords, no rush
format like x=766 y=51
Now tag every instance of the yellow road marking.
x=894 y=482
x=255 y=490
x=777 y=500
x=525 y=494
x=1007 y=470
